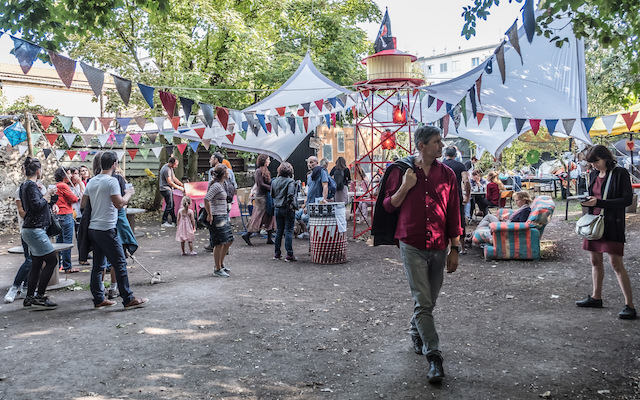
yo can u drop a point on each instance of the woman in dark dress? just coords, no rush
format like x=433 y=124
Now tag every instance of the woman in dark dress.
x=259 y=216
x=619 y=195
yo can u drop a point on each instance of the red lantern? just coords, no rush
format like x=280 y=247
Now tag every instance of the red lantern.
x=388 y=140
x=399 y=114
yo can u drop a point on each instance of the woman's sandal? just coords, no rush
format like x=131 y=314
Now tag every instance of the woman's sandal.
x=71 y=270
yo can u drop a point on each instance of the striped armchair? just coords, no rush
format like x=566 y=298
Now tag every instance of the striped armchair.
x=516 y=240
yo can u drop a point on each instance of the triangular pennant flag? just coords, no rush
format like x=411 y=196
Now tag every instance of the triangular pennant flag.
x=199 y=131
x=120 y=137
x=333 y=101
x=305 y=122
x=106 y=122
x=319 y=104
x=135 y=137
x=327 y=105
x=119 y=154
x=342 y=99
x=301 y=112
x=45 y=121
x=60 y=154
x=300 y=123
x=152 y=137
x=124 y=123
x=333 y=119
x=144 y=152
x=25 y=52
x=479 y=116
x=103 y=139
x=169 y=150
x=47 y=153
x=65 y=121
x=245 y=126
x=327 y=120
x=366 y=93
x=449 y=106
x=282 y=122
x=8 y=148
x=231 y=137
x=479 y=87
x=588 y=123
x=83 y=154
x=86 y=122
x=159 y=121
x=445 y=124
x=529 y=19
x=292 y=124
x=123 y=86
x=280 y=111
x=568 y=125
x=223 y=116
x=86 y=139
x=51 y=137
x=236 y=116
x=175 y=122
x=147 y=93
x=207 y=112
x=505 y=122
x=132 y=153
x=22 y=149
x=519 y=124
x=500 y=59
x=95 y=77
x=71 y=154
x=262 y=122
x=194 y=146
x=439 y=104
x=629 y=118
x=512 y=33
x=306 y=106
x=69 y=138
x=250 y=120
x=535 y=125
x=168 y=135
x=65 y=67
x=187 y=104
x=34 y=137
x=273 y=120
x=206 y=143
x=231 y=127
x=472 y=98
x=168 y=101
x=609 y=121
x=141 y=121
x=181 y=147
x=156 y=151
x=430 y=101
x=551 y=125
x=243 y=135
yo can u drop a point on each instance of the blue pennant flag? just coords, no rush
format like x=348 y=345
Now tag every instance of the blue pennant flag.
x=207 y=111
x=124 y=123
x=25 y=52
x=194 y=146
x=430 y=101
x=551 y=125
x=327 y=117
x=519 y=124
x=262 y=123
x=588 y=123
x=449 y=107
x=245 y=126
x=332 y=100
x=186 y=106
x=147 y=93
x=119 y=137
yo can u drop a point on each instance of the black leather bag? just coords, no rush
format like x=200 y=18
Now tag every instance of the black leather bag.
x=202 y=219
x=54 y=228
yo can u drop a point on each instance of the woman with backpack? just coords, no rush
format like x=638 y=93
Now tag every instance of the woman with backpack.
x=341 y=174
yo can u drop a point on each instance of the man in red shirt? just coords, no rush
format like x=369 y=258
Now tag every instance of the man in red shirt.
x=421 y=193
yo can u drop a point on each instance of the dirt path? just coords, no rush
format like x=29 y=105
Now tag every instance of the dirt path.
x=509 y=330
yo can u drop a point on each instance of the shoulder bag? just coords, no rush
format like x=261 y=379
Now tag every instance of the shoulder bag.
x=589 y=226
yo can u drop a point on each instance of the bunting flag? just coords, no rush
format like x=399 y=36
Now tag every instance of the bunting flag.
x=222 y=114
x=22 y=149
x=292 y=124
x=119 y=154
x=168 y=150
x=147 y=93
x=141 y=121
x=15 y=133
x=120 y=138
x=194 y=146
x=512 y=33
x=86 y=139
x=629 y=118
x=609 y=121
x=430 y=101
x=479 y=88
x=445 y=124
x=106 y=122
x=103 y=139
x=123 y=86
x=199 y=131
x=34 y=137
x=439 y=104
x=535 y=125
x=529 y=19
x=551 y=125
x=273 y=120
x=342 y=99
x=124 y=123
x=588 y=123
x=25 y=52
x=187 y=104
x=463 y=109
x=132 y=153
x=206 y=143
x=300 y=124
x=168 y=101
x=505 y=122
x=262 y=122
x=319 y=104
x=69 y=138
x=8 y=148
x=519 y=124
x=207 y=111
x=86 y=122
x=305 y=122
x=83 y=155
x=280 y=110
x=144 y=152
x=282 y=122
x=306 y=107
x=231 y=137
x=327 y=105
x=333 y=119
x=71 y=154
x=168 y=136
x=472 y=98
x=301 y=112
x=243 y=134
x=60 y=154
x=479 y=116
x=245 y=126
x=95 y=77
x=159 y=121
x=47 y=153
x=175 y=122
x=236 y=116
x=568 y=125
x=65 y=67
x=45 y=121
x=135 y=137
x=51 y=137
x=333 y=101
x=156 y=151
x=250 y=120
x=65 y=121
x=463 y=102
x=422 y=93
x=500 y=59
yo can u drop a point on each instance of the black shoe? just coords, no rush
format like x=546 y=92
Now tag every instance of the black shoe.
x=436 y=373
x=589 y=302
x=417 y=344
x=246 y=237
x=627 y=313
x=28 y=302
x=208 y=248
x=269 y=239
x=42 y=303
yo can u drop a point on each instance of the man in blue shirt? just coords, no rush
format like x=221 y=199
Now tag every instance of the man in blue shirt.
x=317 y=182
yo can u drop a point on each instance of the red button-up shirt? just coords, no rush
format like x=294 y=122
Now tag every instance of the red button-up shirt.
x=430 y=214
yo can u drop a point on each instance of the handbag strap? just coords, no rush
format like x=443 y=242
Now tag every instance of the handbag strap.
x=606 y=190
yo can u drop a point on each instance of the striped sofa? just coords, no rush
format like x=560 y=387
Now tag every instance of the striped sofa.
x=516 y=240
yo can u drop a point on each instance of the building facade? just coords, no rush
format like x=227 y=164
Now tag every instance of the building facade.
x=448 y=65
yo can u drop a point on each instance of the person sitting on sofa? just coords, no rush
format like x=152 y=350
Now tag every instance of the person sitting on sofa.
x=523 y=201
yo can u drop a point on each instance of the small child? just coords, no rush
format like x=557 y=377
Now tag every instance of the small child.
x=186 y=226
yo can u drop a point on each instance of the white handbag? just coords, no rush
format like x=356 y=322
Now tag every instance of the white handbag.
x=589 y=226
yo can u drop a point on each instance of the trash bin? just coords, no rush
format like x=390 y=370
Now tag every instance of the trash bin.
x=327 y=244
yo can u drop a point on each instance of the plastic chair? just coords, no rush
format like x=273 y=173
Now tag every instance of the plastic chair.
x=245 y=209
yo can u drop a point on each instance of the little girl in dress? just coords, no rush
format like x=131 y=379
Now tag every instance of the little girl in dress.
x=186 y=226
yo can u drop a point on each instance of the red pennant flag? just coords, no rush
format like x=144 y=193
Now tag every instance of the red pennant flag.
x=132 y=153
x=333 y=119
x=223 y=116
x=445 y=125
x=305 y=121
x=168 y=102
x=280 y=111
x=365 y=93
x=45 y=120
x=231 y=137
x=319 y=104
x=181 y=147
x=175 y=122
x=416 y=91
x=535 y=125
x=71 y=153
x=51 y=137
x=199 y=131
x=269 y=127
x=105 y=121
x=301 y=112
x=355 y=112
x=439 y=104
x=480 y=116
x=629 y=118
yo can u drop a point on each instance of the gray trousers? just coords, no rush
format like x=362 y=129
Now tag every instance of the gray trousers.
x=425 y=273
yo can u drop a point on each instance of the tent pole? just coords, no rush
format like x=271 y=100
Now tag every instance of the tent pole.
x=27 y=125
x=631 y=152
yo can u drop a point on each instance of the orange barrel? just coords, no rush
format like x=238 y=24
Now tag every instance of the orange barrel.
x=328 y=246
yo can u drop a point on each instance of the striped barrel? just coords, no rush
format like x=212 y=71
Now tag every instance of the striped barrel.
x=328 y=246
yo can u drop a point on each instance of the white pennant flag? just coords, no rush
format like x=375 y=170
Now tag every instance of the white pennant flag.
x=69 y=138
x=160 y=123
x=60 y=154
x=103 y=139
x=156 y=151
x=492 y=120
x=22 y=149
x=282 y=121
x=120 y=153
x=609 y=121
x=274 y=124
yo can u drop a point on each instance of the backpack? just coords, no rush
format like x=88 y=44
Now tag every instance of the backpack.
x=338 y=175
x=332 y=188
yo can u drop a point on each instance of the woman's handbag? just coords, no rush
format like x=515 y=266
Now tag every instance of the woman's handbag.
x=54 y=228
x=202 y=219
x=589 y=226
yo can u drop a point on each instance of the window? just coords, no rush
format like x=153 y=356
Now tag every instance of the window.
x=327 y=152
x=475 y=61
x=443 y=67
x=429 y=69
x=340 y=136
x=455 y=65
